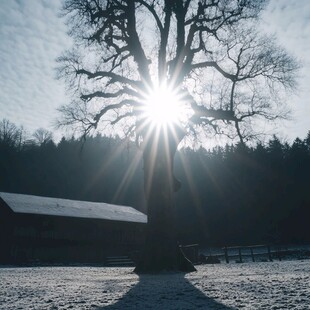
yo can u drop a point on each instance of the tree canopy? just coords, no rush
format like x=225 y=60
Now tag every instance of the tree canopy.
x=226 y=74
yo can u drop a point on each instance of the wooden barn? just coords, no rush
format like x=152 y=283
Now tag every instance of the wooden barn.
x=53 y=230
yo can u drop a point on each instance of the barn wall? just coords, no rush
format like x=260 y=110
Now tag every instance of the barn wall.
x=6 y=220
x=40 y=238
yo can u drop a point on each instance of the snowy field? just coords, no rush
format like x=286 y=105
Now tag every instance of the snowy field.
x=264 y=285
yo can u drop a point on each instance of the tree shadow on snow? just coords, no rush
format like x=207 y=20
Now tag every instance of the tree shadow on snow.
x=165 y=291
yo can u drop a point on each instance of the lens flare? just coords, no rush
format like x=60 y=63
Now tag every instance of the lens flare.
x=163 y=106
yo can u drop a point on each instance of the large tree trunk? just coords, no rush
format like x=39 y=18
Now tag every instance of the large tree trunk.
x=161 y=251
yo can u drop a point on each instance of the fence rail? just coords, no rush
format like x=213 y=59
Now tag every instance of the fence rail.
x=241 y=252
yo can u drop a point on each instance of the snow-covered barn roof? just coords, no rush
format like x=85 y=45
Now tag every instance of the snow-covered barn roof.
x=20 y=203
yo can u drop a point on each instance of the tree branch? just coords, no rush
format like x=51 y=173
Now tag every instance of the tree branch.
x=114 y=78
x=135 y=44
x=214 y=64
x=115 y=106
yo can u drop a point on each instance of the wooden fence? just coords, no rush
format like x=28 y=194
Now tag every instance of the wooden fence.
x=268 y=252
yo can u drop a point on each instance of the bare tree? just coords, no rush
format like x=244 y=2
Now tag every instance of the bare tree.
x=42 y=136
x=226 y=75
x=10 y=135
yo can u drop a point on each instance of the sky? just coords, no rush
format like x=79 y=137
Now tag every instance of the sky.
x=32 y=36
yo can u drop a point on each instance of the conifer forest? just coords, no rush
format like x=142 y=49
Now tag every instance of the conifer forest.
x=229 y=195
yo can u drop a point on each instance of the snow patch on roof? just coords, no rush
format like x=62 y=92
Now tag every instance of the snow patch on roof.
x=20 y=203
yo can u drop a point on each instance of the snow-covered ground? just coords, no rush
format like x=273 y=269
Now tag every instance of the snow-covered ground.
x=264 y=285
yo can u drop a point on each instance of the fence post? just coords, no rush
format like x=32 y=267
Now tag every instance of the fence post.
x=226 y=255
x=269 y=253
x=279 y=253
x=252 y=254
x=240 y=255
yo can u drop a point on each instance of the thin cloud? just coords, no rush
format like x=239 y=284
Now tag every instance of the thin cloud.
x=290 y=21
x=32 y=36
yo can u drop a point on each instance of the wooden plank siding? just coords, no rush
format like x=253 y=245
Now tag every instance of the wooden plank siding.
x=26 y=238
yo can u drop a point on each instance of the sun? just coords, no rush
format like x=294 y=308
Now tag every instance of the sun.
x=163 y=106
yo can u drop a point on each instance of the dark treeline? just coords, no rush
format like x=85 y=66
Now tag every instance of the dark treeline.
x=98 y=169
x=231 y=195
x=247 y=195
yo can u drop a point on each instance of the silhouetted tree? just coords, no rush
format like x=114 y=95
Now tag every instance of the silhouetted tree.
x=42 y=136
x=10 y=135
x=207 y=52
